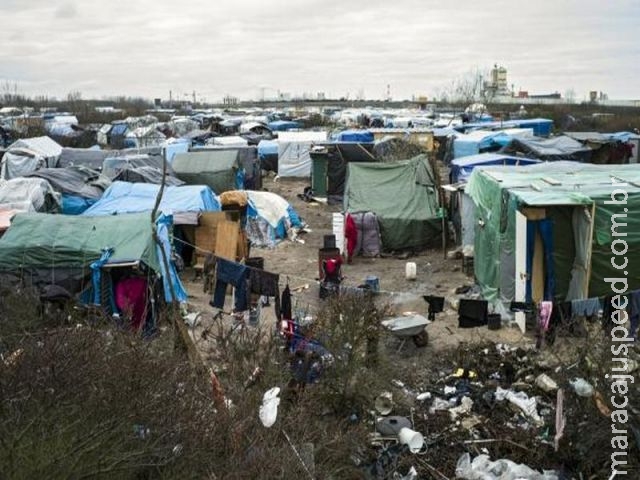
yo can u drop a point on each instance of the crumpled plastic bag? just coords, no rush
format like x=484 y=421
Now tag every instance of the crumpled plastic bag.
x=529 y=406
x=482 y=468
x=268 y=412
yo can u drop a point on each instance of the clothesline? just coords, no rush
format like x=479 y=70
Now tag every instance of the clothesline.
x=286 y=275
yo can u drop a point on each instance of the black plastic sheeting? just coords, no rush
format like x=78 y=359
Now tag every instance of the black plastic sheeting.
x=338 y=156
x=76 y=180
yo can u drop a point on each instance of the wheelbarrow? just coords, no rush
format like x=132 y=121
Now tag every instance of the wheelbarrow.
x=408 y=327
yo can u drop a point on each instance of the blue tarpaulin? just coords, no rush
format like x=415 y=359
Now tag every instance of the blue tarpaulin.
x=479 y=142
x=360 y=136
x=282 y=125
x=462 y=168
x=541 y=126
x=124 y=197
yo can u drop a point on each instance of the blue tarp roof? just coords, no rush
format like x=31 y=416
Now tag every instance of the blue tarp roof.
x=124 y=197
x=541 y=126
x=118 y=129
x=474 y=142
x=282 y=125
x=359 y=136
x=461 y=168
x=267 y=147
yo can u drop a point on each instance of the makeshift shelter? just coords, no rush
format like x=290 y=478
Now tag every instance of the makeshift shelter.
x=248 y=163
x=184 y=203
x=283 y=125
x=103 y=134
x=232 y=141
x=112 y=165
x=393 y=149
x=546 y=231
x=86 y=157
x=270 y=218
x=117 y=134
x=420 y=136
x=329 y=166
x=87 y=256
x=359 y=136
x=461 y=207
x=145 y=174
x=218 y=169
x=174 y=146
x=79 y=187
x=294 y=159
x=482 y=141
x=28 y=155
x=605 y=149
x=268 y=155
x=541 y=127
x=28 y=195
x=549 y=149
x=403 y=195
x=143 y=137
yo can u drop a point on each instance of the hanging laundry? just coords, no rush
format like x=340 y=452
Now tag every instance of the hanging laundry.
x=587 y=307
x=236 y=274
x=267 y=284
x=351 y=234
x=544 y=315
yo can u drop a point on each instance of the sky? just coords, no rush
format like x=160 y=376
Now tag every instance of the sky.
x=251 y=48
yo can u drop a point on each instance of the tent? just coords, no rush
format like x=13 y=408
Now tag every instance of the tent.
x=541 y=126
x=219 y=169
x=360 y=136
x=329 y=166
x=79 y=187
x=86 y=157
x=145 y=174
x=605 y=148
x=141 y=137
x=404 y=197
x=28 y=155
x=480 y=141
x=112 y=165
x=283 y=125
x=175 y=146
x=74 y=251
x=28 y=195
x=270 y=218
x=546 y=231
x=549 y=149
x=232 y=141
x=293 y=152
x=393 y=149
x=461 y=168
x=184 y=202
x=248 y=161
x=268 y=155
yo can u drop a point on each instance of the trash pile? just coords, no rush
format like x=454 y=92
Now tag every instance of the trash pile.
x=535 y=417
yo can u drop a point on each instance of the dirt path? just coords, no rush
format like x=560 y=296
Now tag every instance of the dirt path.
x=435 y=275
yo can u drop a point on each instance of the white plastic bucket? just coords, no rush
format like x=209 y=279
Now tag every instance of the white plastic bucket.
x=414 y=440
x=410 y=271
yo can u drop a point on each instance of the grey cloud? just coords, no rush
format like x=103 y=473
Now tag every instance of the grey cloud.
x=66 y=10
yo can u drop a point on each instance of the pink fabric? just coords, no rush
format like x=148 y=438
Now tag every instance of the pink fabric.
x=131 y=299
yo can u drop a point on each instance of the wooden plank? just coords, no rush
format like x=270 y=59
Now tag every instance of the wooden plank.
x=227 y=239
x=551 y=181
x=243 y=246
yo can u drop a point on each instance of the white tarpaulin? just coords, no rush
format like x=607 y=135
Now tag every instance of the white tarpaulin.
x=293 y=152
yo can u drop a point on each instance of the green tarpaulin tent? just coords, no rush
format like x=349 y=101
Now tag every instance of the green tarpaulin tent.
x=567 y=192
x=404 y=197
x=215 y=168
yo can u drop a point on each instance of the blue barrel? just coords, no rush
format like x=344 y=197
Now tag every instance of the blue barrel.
x=373 y=282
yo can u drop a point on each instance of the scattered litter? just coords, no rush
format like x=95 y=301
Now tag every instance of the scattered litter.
x=412 y=474
x=482 y=468
x=529 y=406
x=546 y=383
x=391 y=426
x=192 y=319
x=421 y=397
x=269 y=409
x=582 y=387
x=412 y=439
x=384 y=403
x=465 y=407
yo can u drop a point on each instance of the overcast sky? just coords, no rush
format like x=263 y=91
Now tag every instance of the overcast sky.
x=238 y=47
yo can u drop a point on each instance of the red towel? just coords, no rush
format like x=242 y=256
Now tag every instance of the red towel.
x=351 y=234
